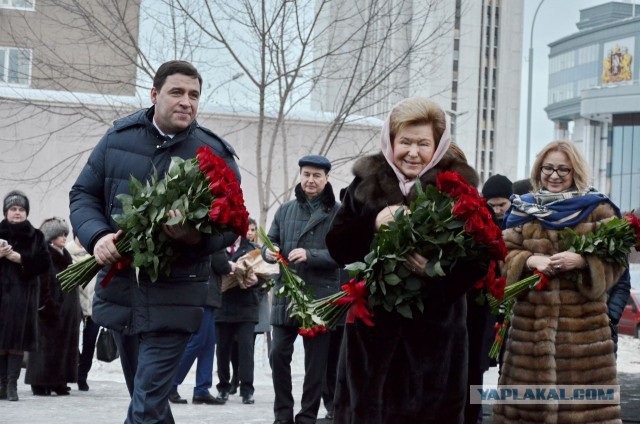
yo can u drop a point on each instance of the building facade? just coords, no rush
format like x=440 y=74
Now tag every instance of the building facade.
x=466 y=55
x=594 y=96
x=40 y=48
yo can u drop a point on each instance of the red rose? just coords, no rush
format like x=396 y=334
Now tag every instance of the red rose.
x=218 y=187
x=206 y=159
x=474 y=225
x=497 y=288
x=465 y=206
x=448 y=181
x=497 y=249
x=486 y=281
x=220 y=211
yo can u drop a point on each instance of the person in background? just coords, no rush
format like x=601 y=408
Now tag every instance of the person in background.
x=521 y=187
x=202 y=345
x=480 y=321
x=498 y=190
x=298 y=231
x=559 y=335
x=55 y=362
x=333 y=357
x=617 y=298
x=23 y=257
x=90 y=329
x=263 y=326
x=152 y=322
x=235 y=323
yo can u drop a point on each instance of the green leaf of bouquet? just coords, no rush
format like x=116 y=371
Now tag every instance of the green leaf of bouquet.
x=405 y=311
x=200 y=213
x=434 y=269
x=356 y=267
x=389 y=264
x=392 y=279
x=173 y=221
x=412 y=283
x=382 y=286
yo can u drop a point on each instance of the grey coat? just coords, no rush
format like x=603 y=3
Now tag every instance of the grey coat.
x=296 y=225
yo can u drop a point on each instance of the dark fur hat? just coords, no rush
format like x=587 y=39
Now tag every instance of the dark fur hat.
x=54 y=227
x=15 y=198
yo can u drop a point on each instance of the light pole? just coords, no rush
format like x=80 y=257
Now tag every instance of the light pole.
x=454 y=121
x=528 y=147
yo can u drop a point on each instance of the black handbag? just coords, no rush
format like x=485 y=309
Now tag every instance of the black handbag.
x=106 y=349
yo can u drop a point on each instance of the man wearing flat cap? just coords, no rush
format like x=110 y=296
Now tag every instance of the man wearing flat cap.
x=298 y=230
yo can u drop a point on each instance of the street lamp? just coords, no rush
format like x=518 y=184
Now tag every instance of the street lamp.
x=454 y=121
x=528 y=147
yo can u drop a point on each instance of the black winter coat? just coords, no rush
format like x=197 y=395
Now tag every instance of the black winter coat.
x=296 y=225
x=19 y=285
x=55 y=363
x=401 y=370
x=240 y=305
x=130 y=305
x=219 y=267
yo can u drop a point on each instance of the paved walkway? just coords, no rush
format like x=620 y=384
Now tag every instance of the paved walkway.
x=107 y=400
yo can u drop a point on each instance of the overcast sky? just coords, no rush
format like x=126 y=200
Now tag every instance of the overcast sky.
x=555 y=19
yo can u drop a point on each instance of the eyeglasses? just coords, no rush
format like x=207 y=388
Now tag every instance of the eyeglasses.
x=549 y=170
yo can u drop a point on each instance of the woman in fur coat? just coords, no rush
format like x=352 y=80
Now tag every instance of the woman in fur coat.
x=23 y=256
x=403 y=370
x=55 y=363
x=561 y=335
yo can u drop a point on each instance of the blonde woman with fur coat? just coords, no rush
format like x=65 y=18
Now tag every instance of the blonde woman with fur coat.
x=561 y=335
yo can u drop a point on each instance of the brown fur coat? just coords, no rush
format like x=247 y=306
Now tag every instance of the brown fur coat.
x=560 y=335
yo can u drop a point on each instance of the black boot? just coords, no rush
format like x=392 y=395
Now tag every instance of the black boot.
x=3 y=376
x=14 y=365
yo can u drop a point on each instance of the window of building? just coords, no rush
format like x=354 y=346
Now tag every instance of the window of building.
x=588 y=54
x=18 y=4
x=15 y=66
x=561 y=62
x=587 y=83
x=561 y=92
x=625 y=169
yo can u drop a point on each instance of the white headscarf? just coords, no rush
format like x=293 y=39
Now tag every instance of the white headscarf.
x=387 y=151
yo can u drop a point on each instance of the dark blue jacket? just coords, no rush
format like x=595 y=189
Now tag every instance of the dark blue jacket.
x=130 y=304
x=618 y=297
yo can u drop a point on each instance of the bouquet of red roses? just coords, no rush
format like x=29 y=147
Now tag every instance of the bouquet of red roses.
x=204 y=189
x=446 y=224
x=293 y=287
x=611 y=242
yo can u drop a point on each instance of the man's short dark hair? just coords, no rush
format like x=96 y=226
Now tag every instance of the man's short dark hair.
x=175 y=67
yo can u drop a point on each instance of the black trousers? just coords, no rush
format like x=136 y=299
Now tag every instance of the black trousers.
x=329 y=386
x=242 y=332
x=89 y=337
x=316 y=352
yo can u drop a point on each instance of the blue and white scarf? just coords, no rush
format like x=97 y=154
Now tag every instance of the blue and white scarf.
x=555 y=211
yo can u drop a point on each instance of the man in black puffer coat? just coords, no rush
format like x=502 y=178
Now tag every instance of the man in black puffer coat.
x=298 y=230
x=152 y=322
